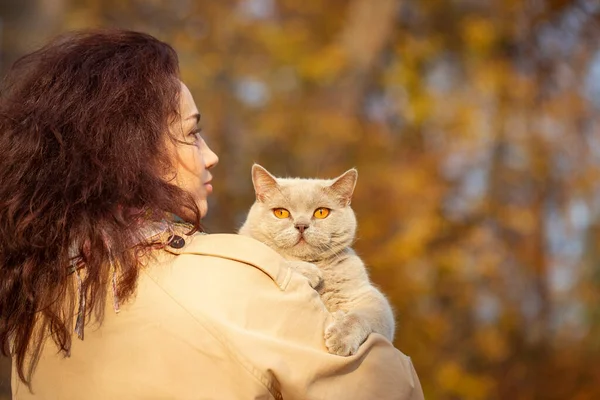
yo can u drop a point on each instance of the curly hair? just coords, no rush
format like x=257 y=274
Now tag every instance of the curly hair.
x=83 y=126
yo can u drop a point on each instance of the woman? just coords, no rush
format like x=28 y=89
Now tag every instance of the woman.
x=101 y=154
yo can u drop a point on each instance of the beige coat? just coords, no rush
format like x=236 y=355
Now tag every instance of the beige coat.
x=220 y=318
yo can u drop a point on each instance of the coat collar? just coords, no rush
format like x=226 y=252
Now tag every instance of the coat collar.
x=234 y=247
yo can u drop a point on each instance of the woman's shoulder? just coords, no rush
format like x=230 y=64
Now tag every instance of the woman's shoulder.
x=228 y=280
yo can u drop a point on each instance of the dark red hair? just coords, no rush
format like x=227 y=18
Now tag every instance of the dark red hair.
x=83 y=127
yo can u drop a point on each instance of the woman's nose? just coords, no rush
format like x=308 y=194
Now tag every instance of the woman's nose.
x=210 y=158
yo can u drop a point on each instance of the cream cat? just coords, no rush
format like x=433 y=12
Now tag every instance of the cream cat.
x=310 y=223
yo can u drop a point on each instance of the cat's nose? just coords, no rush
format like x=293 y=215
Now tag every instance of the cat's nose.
x=301 y=227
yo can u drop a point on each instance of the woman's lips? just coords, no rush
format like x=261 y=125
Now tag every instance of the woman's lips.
x=209 y=187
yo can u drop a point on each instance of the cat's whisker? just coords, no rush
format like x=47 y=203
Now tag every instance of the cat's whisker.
x=335 y=254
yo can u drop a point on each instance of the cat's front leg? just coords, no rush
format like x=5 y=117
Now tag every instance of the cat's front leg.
x=345 y=333
x=310 y=271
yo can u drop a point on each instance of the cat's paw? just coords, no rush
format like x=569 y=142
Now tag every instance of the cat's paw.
x=310 y=271
x=344 y=334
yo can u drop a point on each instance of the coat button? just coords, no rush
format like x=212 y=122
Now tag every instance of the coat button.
x=176 y=242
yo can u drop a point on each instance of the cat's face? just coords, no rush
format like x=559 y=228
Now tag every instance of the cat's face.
x=308 y=219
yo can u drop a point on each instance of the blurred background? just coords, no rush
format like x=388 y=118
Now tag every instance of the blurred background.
x=474 y=127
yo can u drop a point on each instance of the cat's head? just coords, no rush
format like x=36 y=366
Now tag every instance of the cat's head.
x=309 y=219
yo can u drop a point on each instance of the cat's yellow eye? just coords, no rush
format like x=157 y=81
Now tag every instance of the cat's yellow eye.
x=281 y=213
x=321 y=213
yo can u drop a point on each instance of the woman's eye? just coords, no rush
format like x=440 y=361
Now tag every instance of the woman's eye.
x=196 y=133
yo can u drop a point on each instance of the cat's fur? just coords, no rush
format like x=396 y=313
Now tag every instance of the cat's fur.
x=324 y=255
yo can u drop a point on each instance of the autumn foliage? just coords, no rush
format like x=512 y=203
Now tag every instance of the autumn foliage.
x=474 y=128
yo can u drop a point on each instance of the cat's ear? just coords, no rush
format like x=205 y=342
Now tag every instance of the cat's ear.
x=263 y=182
x=343 y=186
